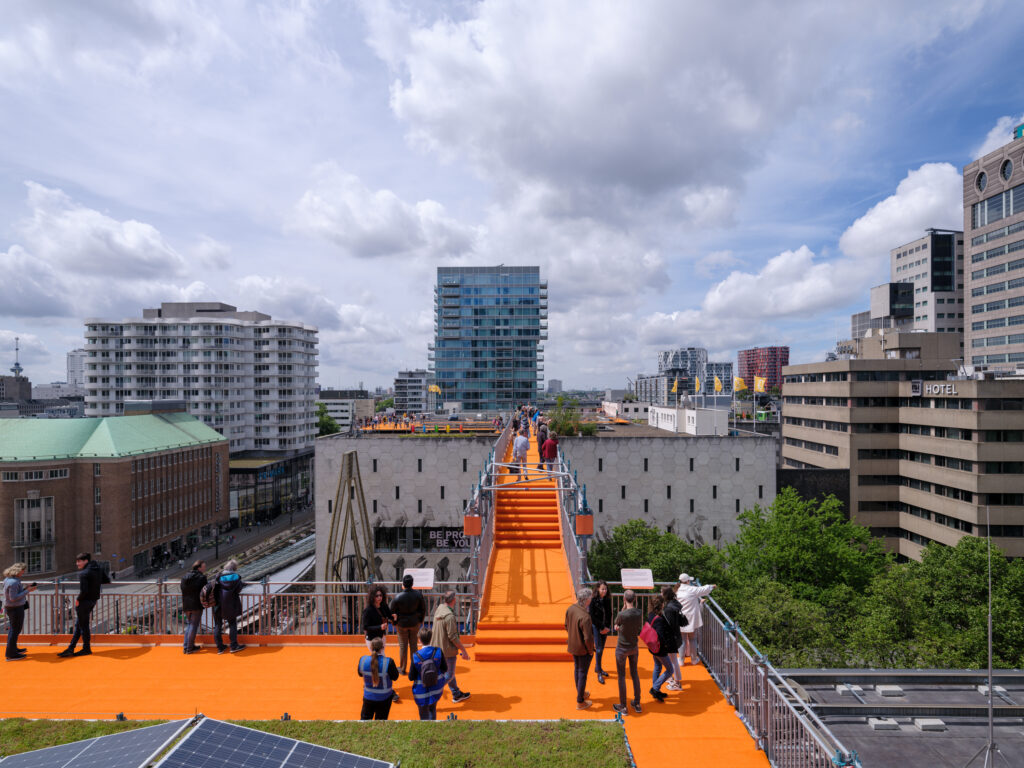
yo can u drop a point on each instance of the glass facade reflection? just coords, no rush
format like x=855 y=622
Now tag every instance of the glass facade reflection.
x=489 y=323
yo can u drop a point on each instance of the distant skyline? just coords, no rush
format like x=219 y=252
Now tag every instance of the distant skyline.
x=683 y=174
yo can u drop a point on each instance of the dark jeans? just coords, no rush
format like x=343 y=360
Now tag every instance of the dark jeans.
x=599 y=641
x=428 y=711
x=218 y=637
x=83 y=609
x=375 y=710
x=406 y=645
x=16 y=620
x=662 y=671
x=621 y=655
x=450 y=681
x=581 y=666
x=192 y=627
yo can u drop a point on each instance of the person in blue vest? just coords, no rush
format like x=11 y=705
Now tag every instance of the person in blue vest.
x=379 y=674
x=428 y=674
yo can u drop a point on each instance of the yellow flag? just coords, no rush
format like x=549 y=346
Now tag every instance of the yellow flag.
x=759 y=383
x=738 y=384
x=697 y=383
x=675 y=386
x=718 y=384
x=434 y=388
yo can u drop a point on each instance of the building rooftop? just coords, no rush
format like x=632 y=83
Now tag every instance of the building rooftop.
x=107 y=438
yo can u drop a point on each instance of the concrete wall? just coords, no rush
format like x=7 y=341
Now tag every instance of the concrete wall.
x=419 y=467
x=698 y=469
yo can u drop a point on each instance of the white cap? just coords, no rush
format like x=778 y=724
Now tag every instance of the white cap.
x=684 y=578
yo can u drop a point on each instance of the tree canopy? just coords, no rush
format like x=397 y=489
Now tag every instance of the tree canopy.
x=812 y=588
x=327 y=425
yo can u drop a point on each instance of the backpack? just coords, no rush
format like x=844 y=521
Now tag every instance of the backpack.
x=428 y=672
x=208 y=595
x=650 y=638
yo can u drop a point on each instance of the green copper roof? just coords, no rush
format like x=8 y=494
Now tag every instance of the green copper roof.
x=105 y=438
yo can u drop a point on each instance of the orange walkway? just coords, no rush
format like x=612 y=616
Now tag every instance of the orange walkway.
x=523 y=615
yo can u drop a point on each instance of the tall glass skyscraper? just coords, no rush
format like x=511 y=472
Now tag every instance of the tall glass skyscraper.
x=489 y=323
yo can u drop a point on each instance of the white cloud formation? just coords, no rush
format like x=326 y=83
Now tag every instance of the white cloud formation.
x=366 y=223
x=31 y=348
x=1001 y=133
x=715 y=262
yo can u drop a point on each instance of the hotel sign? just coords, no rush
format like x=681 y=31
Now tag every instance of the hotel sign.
x=918 y=388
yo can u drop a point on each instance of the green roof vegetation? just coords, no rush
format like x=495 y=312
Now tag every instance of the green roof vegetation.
x=104 y=438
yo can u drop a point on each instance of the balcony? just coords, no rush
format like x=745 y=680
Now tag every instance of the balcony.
x=39 y=541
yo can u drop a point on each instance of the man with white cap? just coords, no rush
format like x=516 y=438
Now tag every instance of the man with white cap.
x=690 y=597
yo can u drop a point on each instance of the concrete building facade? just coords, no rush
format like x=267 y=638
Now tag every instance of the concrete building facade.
x=767 y=362
x=132 y=490
x=412 y=392
x=994 y=227
x=934 y=266
x=76 y=369
x=347 y=406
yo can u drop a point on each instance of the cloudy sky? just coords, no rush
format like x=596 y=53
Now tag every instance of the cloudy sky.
x=685 y=173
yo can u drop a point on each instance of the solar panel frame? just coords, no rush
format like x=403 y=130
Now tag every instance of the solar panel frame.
x=285 y=752
x=104 y=751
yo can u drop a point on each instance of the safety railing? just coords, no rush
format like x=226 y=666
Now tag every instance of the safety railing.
x=784 y=726
x=481 y=503
x=572 y=502
x=268 y=608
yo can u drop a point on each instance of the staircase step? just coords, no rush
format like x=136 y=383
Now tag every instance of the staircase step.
x=527 y=545
x=551 y=652
x=521 y=637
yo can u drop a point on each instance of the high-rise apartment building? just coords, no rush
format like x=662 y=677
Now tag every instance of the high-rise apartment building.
x=766 y=362
x=994 y=226
x=934 y=266
x=488 y=327
x=681 y=368
x=412 y=392
x=76 y=369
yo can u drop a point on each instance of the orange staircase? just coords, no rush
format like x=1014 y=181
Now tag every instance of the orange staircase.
x=528 y=585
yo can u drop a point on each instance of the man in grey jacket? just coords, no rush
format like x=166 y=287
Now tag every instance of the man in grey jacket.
x=446 y=637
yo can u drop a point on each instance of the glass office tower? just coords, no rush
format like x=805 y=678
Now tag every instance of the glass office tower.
x=489 y=323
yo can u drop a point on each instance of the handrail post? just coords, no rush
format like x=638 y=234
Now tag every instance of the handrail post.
x=265 y=606
x=161 y=606
x=732 y=664
x=760 y=729
x=56 y=609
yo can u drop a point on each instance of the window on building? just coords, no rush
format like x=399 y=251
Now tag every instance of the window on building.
x=374 y=462
x=442 y=491
x=622 y=491
x=645 y=465
x=668 y=491
x=419 y=465
x=96 y=494
x=397 y=492
x=600 y=465
x=691 y=465
x=714 y=491
x=691 y=506
x=737 y=506
x=737 y=463
x=645 y=506
x=600 y=505
x=760 y=491
x=465 y=465
x=96 y=470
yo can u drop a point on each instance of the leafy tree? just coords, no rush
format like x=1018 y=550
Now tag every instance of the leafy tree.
x=383 y=405
x=564 y=418
x=328 y=426
x=639 y=545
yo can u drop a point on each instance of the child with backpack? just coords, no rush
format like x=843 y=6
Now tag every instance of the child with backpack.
x=427 y=673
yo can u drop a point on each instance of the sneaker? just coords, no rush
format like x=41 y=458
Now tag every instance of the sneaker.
x=222 y=649
x=83 y=652
x=17 y=657
x=620 y=709
x=672 y=685
x=460 y=696
x=67 y=653
x=394 y=697
x=600 y=677
x=637 y=708
x=585 y=704
x=238 y=648
x=195 y=648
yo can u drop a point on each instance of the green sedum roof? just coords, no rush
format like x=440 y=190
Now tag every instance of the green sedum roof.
x=104 y=438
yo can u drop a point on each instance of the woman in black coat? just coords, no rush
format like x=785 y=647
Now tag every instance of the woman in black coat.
x=675 y=618
x=662 y=666
x=229 y=606
x=601 y=617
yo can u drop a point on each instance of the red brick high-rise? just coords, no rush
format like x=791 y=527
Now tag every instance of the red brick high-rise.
x=762 y=361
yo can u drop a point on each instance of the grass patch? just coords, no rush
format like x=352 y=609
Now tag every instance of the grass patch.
x=460 y=744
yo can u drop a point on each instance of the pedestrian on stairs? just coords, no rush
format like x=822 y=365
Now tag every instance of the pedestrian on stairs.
x=520 y=447
x=580 y=631
x=549 y=452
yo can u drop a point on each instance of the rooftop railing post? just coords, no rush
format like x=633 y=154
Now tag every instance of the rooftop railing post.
x=265 y=605
x=56 y=606
x=760 y=729
x=161 y=606
x=732 y=661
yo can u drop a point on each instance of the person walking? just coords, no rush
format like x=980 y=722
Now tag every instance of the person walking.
x=15 y=605
x=229 y=607
x=90 y=578
x=674 y=617
x=580 y=631
x=427 y=670
x=542 y=433
x=520 y=447
x=549 y=452
x=690 y=598
x=662 y=667
x=408 y=610
x=446 y=637
x=379 y=674
x=628 y=624
x=191 y=586
x=376 y=616
x=601 y=620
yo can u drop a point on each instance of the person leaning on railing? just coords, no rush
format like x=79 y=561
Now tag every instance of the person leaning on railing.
x=15 y=605
x=690 y=598
x=191 y=587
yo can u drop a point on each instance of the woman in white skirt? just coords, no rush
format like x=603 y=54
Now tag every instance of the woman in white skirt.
x=690 y=598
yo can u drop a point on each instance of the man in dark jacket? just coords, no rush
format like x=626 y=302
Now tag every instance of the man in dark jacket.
x=90 y=578
x=191 y=585
x=229 y=607
x=408 y=609
x=580 y=631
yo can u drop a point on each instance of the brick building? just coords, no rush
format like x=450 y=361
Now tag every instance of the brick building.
x=133 y=490
x=762 y=361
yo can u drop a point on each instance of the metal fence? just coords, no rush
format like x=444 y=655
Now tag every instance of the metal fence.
x=274 y=608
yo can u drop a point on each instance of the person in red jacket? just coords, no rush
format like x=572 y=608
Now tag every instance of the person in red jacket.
x=549 y=452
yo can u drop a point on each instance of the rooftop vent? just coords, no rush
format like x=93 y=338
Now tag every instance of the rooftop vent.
x=929 y=724
x=883 y=724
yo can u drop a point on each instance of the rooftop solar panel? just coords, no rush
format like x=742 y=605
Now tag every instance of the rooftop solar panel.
x=215 y=744
x=128 y=749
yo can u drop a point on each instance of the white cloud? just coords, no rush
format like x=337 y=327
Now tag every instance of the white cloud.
x=715 y=262
x=31 y=348
x=367 y=223
x=1001 y=134
x=79 y=239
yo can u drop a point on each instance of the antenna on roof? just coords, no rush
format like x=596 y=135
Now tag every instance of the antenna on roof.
x=17 y=369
